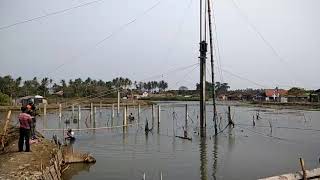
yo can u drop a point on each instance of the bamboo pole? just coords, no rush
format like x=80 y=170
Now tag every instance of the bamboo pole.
x=100 y=107
x=112 y=111
x=79 y=116
x=5 y=129
x=118 y=109
x=125 y=116
x=152 y=114
x=303 y=169
x=139 y=109
x=91 y=112
x=159 y=114
x=72 y=112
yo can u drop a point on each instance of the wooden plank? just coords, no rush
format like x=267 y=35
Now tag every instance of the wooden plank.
x=3 y=137
x=315 y=173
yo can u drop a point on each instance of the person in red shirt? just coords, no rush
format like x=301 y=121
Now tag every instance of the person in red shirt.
x=25 y=125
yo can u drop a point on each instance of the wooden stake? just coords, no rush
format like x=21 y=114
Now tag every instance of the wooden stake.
x=91 y=111
x=5 y=129
x=44 y=109
x=94 y=116
x=159 y=112
x=139 y=108
x=112 y=111
x=60 y=111
x=118 y=110
x=185 y=132
x=100 y=107
x=79 y=116
x=125 y=116
x=72 y=111
x=229 y=117
x=303 y=169
x=152 y=114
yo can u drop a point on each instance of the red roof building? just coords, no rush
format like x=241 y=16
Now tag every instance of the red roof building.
x=275 y=92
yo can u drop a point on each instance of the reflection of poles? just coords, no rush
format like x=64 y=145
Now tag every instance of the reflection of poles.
x=215 y=158
x=203 y=159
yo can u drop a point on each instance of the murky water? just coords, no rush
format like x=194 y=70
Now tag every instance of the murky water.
x=244 y=152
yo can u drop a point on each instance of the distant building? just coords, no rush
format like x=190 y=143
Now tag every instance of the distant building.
x=145 y=94
x=301 y=98
x=183 y=88
x=36 y=99
x=275 y=94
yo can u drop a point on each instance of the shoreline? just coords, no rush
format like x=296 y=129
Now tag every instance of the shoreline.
x=46 y=161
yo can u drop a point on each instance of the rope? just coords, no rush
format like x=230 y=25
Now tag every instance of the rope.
x=85 y=129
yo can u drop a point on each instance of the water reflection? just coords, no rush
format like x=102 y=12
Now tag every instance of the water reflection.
x=75 y=169
x=203 y=159
x=215 y=157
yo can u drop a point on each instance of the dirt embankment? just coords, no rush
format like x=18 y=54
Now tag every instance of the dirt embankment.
x=24 y=165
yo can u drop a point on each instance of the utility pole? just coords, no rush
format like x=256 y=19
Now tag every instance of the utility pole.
x=203 y=51
x=203 y=57
x=212 y=71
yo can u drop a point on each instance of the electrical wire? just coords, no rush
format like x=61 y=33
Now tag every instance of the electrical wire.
x=49 y=14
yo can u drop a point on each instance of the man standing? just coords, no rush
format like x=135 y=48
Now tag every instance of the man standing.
x=31 y=109
x=25 y=125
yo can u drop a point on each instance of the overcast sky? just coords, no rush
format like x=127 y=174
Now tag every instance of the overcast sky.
x=263 y=43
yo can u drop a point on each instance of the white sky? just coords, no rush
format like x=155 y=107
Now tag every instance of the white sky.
x=164 y=39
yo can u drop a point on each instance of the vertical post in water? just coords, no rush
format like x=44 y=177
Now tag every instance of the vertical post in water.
x=139 y=107
x=91 y=111
x=159 y=112
x=45 y=115
x=100 y=107
x=231 y=123
x=118 y=110
x=79 y=116
x=60 y=114
x=186 y=122
x=45 y=109
x=72 y=117
x=94 y=116
x=152 y=114
x=112 y=113
x=212 y=70
x=203 y=51
x=125 y=116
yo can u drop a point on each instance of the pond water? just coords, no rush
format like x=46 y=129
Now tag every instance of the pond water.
x=243 y=152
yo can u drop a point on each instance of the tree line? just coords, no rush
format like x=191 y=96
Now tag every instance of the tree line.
x=17 y=87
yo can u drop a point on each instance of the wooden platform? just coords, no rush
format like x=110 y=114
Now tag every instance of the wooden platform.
x=311 y=174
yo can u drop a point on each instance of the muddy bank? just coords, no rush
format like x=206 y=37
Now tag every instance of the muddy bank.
x=29 y=165
x=45 y=161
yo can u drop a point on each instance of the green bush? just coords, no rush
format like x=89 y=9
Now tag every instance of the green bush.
x=4 y=99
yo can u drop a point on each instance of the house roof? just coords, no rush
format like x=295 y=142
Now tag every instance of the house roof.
x=272 y=92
